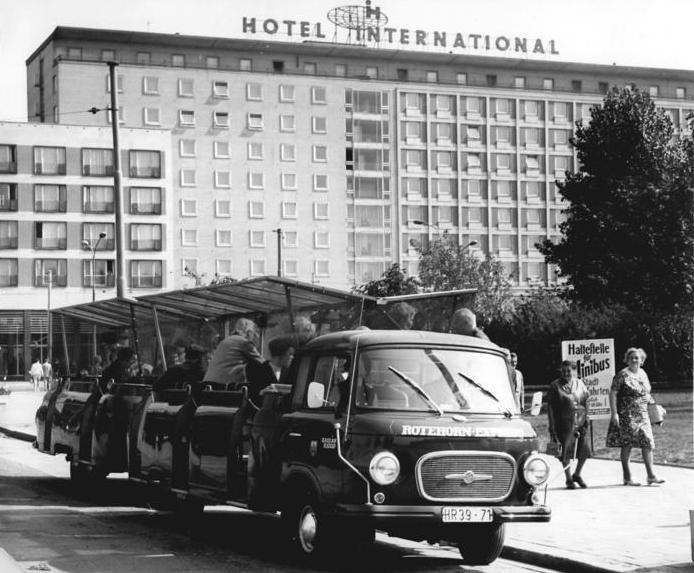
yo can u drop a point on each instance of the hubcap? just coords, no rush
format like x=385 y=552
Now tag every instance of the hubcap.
x=308 y=524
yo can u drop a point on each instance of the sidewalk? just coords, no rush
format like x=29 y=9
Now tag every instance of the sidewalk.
x=607 y=527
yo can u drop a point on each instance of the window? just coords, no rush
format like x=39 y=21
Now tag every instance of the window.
x=491 y=80
x=320 y=182
x=503 y=163
x=340 y=70
x=220 y=89
x=561 y=111
x=290 y=239
x=504 y=243
x=371 y=72
x=178 y=60
x=220 y=119
x=223 y=267
x=320 y=211
x=318 y=95
x=145 y=164
x=8 y=196
x=255 y=150
x=222 y=179
x=254 y=91
x=414 y=159
x=310 y=68
x=287 y=93
x=256 y=210
x=503 y=218
x=443 y=160
x=290 y=268
x=108 y=55
x=8 y=273
x=223 y=238
x=288 y=181
x=189 y=267
x=121 y=118
x=144 y=58
x=221 y=149
x=257 y=267
x=8 y=234
x=186 y=147
x=533 y=218
x=532 y=191
x=603 y=87
x=49 y=161
x=287 y=123
x=150 y=85
x=50 y=198
x=680 y=93
x=473 y=135
x=189 y=207
x=503 y=191
x=119 y=83
x=461 y=78
x=145 y=274
x=319 y=124
x=188 y=177
x=532 y=163
x=92 y=236
x=414 y=103
x=185 y=87
x=50 y=271
x=145 y=237
x=630 y=86
x=186 y=117
x=321 y=239
x=503 y=136
x=189 y=237
x=560 y=137
x=255 y=121
x=256 y=180
x=145 y=200
x=547 y=84
x=97 y=162
x=653 y=91
x=287 y=152
x=561 y=164
x=278 y=66
x=474 y=162
x=519 y=82
x=532 y=136
x=152 y=116
x=473 y=190
x=502 y=107
x=289 y=210
x=222 y=208
x=576 y=85
x=320 y=153
x=256 y=239
x=321 y=268
x=413 y=131
x=245 y=64
x=432 y=76
x=50 y=235
x=211 y=62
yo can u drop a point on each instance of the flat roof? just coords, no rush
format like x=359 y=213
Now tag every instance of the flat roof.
x=349 y=51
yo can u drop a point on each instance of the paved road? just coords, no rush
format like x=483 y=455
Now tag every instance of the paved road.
x=46 y=526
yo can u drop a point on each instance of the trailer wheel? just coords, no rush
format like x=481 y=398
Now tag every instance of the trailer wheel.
x=481 y=544
x=306 y=529
x=82 y=475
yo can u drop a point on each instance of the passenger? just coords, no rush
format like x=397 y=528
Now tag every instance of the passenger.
x=403 y=314
x=119 y=371
x=281 y=355
x=227 y=365
x=179 y=356
x=464 y=322
x=190 y=372
x=96 y=368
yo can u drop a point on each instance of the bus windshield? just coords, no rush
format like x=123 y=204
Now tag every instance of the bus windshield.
x=435 y=379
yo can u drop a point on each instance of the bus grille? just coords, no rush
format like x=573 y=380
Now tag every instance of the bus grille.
x=465 y=476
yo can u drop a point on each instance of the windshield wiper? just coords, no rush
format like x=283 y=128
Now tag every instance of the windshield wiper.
x=417 y=388
x=506 y=411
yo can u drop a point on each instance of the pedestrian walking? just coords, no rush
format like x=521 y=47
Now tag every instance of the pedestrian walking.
x=47 y=373
x=36 y=373
x=567 y=401
x=630 y=425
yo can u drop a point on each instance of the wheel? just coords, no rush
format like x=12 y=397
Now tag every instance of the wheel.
x=307 y=531
x=481 y=544
x=83 y=475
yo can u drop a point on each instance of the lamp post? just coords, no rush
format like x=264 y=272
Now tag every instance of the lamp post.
x=436 y=227
x=49 y=326
x=88 y=244
x=279 y=250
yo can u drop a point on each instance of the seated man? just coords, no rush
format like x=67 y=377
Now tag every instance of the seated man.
x=189 y=372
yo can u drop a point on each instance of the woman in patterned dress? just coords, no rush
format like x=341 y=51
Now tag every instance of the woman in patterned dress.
x=567 y=410
x=630 y=425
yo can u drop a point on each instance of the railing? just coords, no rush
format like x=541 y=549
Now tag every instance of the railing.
x=146 y=172
x=9 y=281
x=145 y=245
x=49 y=243
x=8 y=204
x=8 y=242
x=144 y=282
x=42 y=169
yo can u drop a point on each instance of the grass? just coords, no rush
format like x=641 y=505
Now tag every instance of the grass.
x=674 y=440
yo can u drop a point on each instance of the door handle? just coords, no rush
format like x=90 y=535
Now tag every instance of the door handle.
x=295 y=435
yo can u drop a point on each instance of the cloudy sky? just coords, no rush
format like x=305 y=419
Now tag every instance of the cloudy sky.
x=650 y=33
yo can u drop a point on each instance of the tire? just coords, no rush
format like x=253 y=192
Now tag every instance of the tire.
x=481 y=544
x=306 y=529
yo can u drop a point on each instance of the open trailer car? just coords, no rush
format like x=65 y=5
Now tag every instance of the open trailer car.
x=413 y=433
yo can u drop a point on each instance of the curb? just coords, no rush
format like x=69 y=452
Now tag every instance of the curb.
x=8 y=564
x=17 y=435
x=555 y=562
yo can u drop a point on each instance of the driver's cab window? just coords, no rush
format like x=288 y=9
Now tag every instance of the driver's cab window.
x=329 y=386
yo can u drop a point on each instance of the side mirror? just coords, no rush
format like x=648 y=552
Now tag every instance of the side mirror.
x=316 y=395
x=536 y=404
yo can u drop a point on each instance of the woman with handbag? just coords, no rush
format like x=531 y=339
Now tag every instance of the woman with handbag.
x=567 y=410
x=630 y=424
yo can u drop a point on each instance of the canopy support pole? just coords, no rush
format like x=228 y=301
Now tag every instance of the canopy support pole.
x=160 y=340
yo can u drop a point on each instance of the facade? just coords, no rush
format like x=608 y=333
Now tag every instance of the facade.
x=56 y=200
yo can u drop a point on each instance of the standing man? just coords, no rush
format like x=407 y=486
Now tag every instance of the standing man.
x=228 y=362
x=281 y=355
x=47 y=373
x=518 y=381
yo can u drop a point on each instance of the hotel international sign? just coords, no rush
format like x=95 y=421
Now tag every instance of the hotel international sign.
x=406 y=37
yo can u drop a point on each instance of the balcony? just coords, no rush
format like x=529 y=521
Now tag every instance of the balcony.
x=56 y=280
x=8 y=242
x=50 y=243
x=153 y=172
x=97 y=207
x=146 y=282
x=9 y=281
x=50 y=206
x=50 y=169
x=97 y=170
x=99 y=280
x=145 y=245
x=104 y=244
x=8 y=204
x=8 y=167
x=145 y=208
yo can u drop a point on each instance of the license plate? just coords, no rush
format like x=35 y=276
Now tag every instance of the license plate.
x=466 y=514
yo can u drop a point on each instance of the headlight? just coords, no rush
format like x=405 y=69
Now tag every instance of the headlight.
x=535 y=471
x=384 y=468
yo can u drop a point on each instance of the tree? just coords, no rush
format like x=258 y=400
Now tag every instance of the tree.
x=446 y=265
x=628 y=237
x=392 y=282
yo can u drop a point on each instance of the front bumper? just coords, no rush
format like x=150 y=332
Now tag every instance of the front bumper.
x=430 y=515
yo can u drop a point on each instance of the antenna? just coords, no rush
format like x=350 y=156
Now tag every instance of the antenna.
x=363 y=23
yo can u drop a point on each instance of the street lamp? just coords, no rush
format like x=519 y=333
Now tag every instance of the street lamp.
x=279 y=250
x=437 y=228
x=86 y=243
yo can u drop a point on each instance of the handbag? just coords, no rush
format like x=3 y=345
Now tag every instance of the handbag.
x=656 y=413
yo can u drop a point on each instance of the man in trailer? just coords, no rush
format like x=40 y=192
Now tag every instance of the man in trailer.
x=227 y=365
